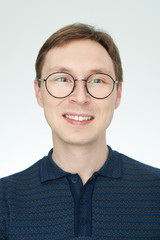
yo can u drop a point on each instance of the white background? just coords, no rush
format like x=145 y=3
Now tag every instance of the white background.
x=24 y=26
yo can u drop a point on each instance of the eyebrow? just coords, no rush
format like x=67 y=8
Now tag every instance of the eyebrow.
x=60 y=69
x=68 y=70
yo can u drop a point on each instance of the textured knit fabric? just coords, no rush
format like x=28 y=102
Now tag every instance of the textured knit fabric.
x=120 y=201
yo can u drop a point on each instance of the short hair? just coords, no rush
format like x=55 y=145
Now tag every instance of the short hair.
x=78 y=31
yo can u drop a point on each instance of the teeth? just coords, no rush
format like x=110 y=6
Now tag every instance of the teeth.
x=78 y=118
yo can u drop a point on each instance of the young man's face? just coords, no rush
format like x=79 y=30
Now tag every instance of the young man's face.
x=79 y=58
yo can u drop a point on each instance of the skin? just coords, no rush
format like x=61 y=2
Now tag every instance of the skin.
x=79 y=146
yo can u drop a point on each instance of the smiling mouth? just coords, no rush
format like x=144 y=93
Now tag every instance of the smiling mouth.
x=79 y=118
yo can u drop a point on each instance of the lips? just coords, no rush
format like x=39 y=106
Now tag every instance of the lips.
x=78 y=118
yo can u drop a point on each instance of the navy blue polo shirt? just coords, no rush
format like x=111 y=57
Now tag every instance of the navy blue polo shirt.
x=120 y=201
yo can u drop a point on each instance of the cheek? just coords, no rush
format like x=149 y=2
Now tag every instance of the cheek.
x=49 y=102
x=51 y=116
x=107 y=111
x=52 y=110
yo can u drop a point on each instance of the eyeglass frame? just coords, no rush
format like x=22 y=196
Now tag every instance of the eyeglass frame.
x=74 y=85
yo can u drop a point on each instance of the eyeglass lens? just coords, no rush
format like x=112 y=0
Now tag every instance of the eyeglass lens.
x=60 y=85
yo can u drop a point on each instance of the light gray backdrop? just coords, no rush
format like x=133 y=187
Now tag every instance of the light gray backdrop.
x=25 y=25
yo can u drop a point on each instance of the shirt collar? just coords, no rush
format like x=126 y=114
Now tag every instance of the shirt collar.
x=50 y=171
x=112 y=168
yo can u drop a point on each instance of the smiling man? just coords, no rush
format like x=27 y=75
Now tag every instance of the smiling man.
x=78 y=111
x=82 y=189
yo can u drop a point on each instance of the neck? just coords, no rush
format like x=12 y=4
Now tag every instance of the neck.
x=81 y=159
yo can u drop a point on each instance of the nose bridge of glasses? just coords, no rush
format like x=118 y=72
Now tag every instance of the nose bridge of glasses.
x=81 y=80
x=83 y=87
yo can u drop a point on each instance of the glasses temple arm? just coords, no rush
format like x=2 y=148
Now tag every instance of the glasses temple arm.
x=41 y=80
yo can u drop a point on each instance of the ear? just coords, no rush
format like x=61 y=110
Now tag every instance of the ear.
x=37 y=90
x=118 y=95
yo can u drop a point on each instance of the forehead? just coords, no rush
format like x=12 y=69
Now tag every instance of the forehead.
x=81 y=56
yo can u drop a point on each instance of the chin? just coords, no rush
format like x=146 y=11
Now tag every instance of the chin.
x=78 y=141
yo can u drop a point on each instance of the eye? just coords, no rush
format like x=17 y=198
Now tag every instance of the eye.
x=97 y=80
x=62 y=79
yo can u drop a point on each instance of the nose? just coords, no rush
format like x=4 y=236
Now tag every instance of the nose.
x=80 y=94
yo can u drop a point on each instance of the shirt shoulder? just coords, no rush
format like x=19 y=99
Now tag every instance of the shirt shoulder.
x=17 y=187
x=138 y=171
x=29 y=176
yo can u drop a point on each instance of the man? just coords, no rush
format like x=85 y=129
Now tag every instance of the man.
x=82 y=189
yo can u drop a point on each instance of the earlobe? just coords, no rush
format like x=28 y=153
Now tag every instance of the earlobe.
x=118 y=95
x=38 y=93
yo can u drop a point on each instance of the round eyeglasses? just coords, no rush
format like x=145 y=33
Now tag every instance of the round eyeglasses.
x=62 y=84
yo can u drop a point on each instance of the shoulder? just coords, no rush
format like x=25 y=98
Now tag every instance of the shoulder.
x=13 y=191
x=29 y=176
x=138 y=172
x=15 y=188
x=133 y=168
x=129 y=164
x=133 y=165
x=138 y=178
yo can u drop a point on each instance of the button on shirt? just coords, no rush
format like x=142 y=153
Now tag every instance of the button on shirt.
x=120 y=201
